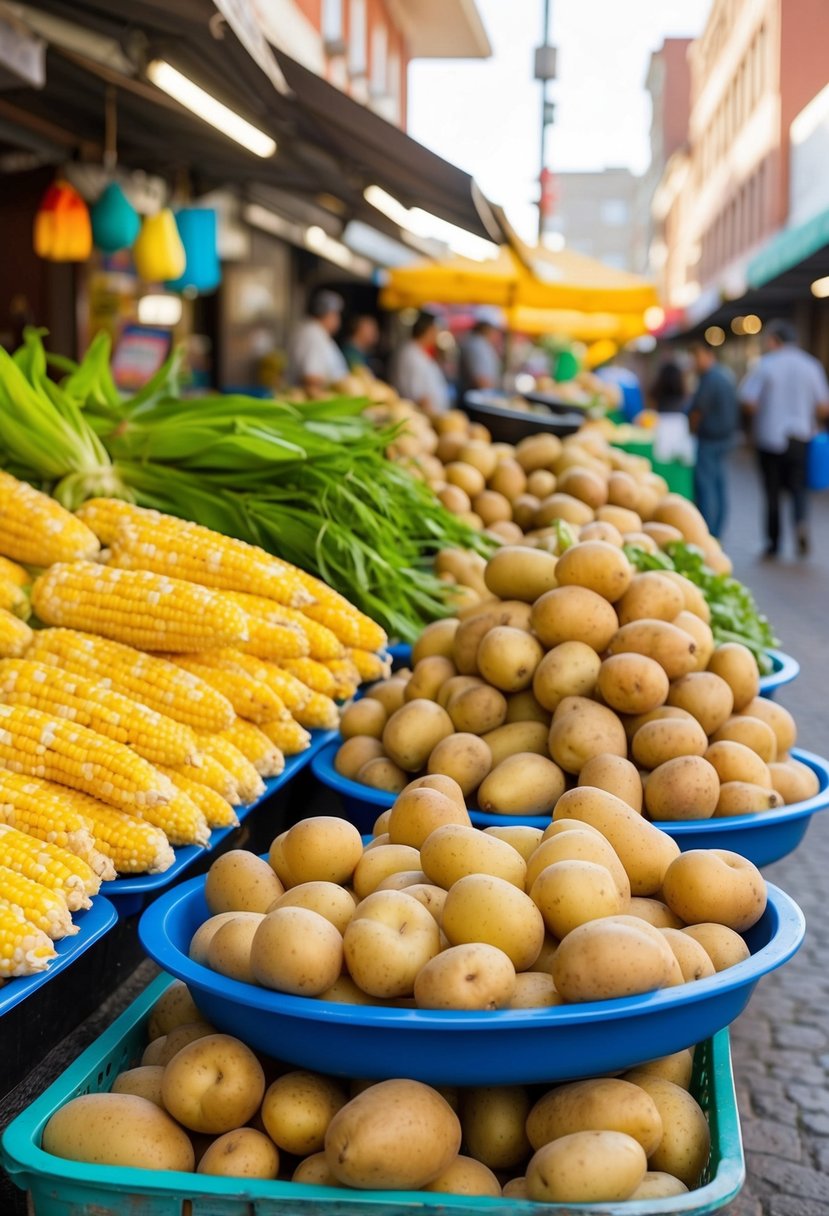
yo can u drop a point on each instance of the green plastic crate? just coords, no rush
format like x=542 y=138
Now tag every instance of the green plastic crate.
x=70 y=1188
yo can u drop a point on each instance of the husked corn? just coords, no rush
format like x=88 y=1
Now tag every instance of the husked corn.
x=248 y=781
x=322 y=643
x=229 y=672
x=318 y=713
x=216 y=810
x=45 y=908
x=312 y=674
x=36 y=530
x=371 y=666
x=52 y=813
x=210 y=773
x=256 y=747
x=24 y=949
x=289 y=737
x=55 y=868
x=15 y=635
x=13 y=573
x=347 y=678
x=180 y=819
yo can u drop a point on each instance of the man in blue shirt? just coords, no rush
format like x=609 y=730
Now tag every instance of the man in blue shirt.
x=714 y=414
x=786 y=392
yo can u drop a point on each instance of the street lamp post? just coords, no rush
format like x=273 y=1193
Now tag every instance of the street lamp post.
x=545 y=69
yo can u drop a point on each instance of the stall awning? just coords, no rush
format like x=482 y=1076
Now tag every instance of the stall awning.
x=788 y=249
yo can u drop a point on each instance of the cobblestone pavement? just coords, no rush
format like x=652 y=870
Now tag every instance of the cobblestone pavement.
x=781 y=1043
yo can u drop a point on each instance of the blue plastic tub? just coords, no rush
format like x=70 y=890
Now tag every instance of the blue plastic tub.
x=401 y=654
x=361 y=803
x=68 y=1188
x=785 y=669
x=92 y=925
x=130 y=894
x=521 y=1046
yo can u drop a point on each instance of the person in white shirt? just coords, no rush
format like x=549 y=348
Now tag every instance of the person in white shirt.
x=480 y=359
x=415 y=373
x=315 y=362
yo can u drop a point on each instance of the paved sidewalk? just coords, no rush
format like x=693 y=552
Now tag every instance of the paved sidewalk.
x=781 y=1043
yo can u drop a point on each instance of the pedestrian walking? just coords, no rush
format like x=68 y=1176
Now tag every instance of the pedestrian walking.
x=713 y=415
x=668 y=392
x=415 y=372
x=480 y=356
x=315 y=362
x=786 y=394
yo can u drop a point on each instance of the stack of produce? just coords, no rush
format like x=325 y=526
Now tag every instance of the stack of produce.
x=580 y=669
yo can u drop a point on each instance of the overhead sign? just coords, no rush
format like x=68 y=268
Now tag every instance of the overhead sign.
x=22 y=54
x=242 y=18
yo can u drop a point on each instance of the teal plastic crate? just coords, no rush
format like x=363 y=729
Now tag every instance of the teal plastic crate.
x=69 y=1188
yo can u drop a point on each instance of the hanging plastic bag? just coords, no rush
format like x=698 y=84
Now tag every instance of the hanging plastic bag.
x=62 y=228
x=115 y=222
x=158 y=251
x=198 y=229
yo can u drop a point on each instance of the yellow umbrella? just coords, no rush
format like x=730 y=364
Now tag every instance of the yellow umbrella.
x=581 y=326
x=566 y=279
x=455 y=281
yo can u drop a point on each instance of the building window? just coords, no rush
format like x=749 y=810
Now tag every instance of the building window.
x=614 y=212
x=379 y=60
x=332 y=23
x=395 y=87
x=357 y=39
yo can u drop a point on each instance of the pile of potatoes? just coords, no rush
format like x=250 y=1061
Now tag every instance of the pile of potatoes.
x=204 y=1101
x=580 y=671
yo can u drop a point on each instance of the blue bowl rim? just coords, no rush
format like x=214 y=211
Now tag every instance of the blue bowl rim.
x=786 y=669
x=788 y=927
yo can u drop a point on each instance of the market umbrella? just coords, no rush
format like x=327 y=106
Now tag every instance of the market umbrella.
x=581 y=326
x=456 y=280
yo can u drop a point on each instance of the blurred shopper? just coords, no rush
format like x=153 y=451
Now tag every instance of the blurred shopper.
x=786 y=392
x=415 y=372
x=362 y=333
x=668 y=392
x=714 y=416
x=315 y=362
x=480 y=357
x=627 y=382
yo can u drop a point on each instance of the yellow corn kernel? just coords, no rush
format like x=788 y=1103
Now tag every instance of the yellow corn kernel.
x=148 y=611
x=24 y=949
x=353 y=628
x=130 y=845
x=268 y=640
x=216 y=810
x=13 y=573
x=153 y=682
x=55 y=868
x=256 y=747
x=212 y=774
x=43 y=907
x=14 y=599
x=289 y=737
x=15 y=635
x=313 y=675
x=347 y=677
x=228 y=671
x=290 y=692
x=36 y=530
x=322 y=643
x=318 y=713
x=371 y=666
x=180 y=820
x=52 y=813
x=248 y=781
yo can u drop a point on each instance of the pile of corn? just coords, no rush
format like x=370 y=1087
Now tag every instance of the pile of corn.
x=175 y=669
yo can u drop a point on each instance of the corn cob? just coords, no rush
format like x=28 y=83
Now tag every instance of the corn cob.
x=36 y=530
x=180 y=819
x=55 y=814
x=141 y=539
x=153 y=736
x=347 y=678
x=287 y=689
x=24 y=949
x=153 y=682
x=318 y=713
x=14 y=599
x=43 y=745
x=15 y=635
x=353 y=628
x=216 y=810
x=45 y=908
x=224 y=670
x=322 y=643
x=11 y=572
x=267 y=640
x=256 y=747
x=289 y=736
x=210 y=774
x=47 y=864
x=312 y=674
x=148 y=611
x=248 y=781
x=371 y=666
x=130 y=845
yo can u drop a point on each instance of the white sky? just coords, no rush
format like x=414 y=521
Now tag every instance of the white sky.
x=485 y=115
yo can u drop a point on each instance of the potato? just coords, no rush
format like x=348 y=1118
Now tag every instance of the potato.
x=507 y=658
x=482 y=908
x=654 y=912
x=694 y=600
x=153 y=1053
x=465 y=476
x=672 y=648
x=622 y=490
x=401 y=880
x=297 y=951
x=328 y=899
x=436 y=639
x=516 y=1188
x=469 y=633
x=682 y=514
x=118 y=1129
x=355 y=753
x=677 y=1067
x=464 y=757
x=616 y=775
x=658 y=1185
x=650 y=596
x=477 y=711
x=383 y=774
x=541 y=483
x=743 y=798
x=455 y=685
x=480 y=455
x=597 y=565
x=583 y=729
x=586 y=1167
x=366 y=717
x=644 y=851
x=641 y=540
x=413 y=731
x=534 y=990
x=694 y=963
x=508 y=478
x=686 y=1142
x=243 y=1153
x=523 y=707
x=579 y=844
x=752 y=732
x=663 y=534
x=570 y=669
x=433 y=898
x=585 y=485
x=323 y=849
x=632 y=683
x=381 y=823
x=538 y=451
x=571 y=893
x=381 y=860
x=466 y=1176
x=175 y=1007
x=428 y=677
x=707 y=697
x=573 y=614
x=612 y=957
x=470 y=976
x=390 y=937
x=444 y=785
x=240 y=881
x=389 y=692
x=417 y=812
x=602 y=1105
x=562 y=506
x=793 y=780
x=664 y=739
x=455 y=499
x=736 y=762
x=397 y=1135
x=715 y=885
x=722 y=945
x=778 y=718
x=523 y=784
x=684 y=788
x=518 y=573
x=200 y=942
x=492 y=507
x=735 y=664
x=524 y=508
x=632 y=723
x=142 y=1082
x=228 y=951
x=297 y=1109
x=521 y=837
x=516 y=737
x=213 y=1085
x=601 y=531
x=702 y=635
x=452 y=851
x=621 y=518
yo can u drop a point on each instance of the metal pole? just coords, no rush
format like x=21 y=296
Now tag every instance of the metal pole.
x=542 y=164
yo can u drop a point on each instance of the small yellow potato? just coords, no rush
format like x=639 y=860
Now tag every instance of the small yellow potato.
x=702 y=635
x=633 y=723
x=687 y=787
x=585 y=485
x=752 y=732
x=658 y=1185
x=470 y=976
x=356 y=752
x=464 y=757
x=715 y=885
x=326 y=898
x=402 y=880
x=672 y=648
x=323 y=849
x=243 y=1153
x=213 y=1085
x=297 y=1109
x=621 y=518
x=465 y=476
x=396 y=1135
x=492 y=507
x=521 y=837
x=663 y=534
x=663 y=739
x=413 y=731
x=493 y=1118
x=680 y=513
x=378 y=862
x=654 y=912
x=297 y=951
x=736 y=762
x=428 y=677
x=598 y=530
x=390 y=938
x=443 y=784
x=345 y=992
x=694 y=600
x=466 y=1176
x=538 y=451
x=517 y=573
x=383 y=774
x=622 y=490
x=616 y=775
x=507 y=658
x=570 y=669
x=523 y=707
x=381 y=823
x=314 y=1171
x=508 y=478
x=513 y=612
x=516 y=1188
x=704 y=695
x=735 y=664
x=693 y=961
x=240 y=881
x=142 y=1082
x=612 y=957
x=417 y=812
x=524 y=508
x=744 y=798
x=793 y=780
x=366 y=717
x=722 y=945
x=605 y=1104
x=482 y=908
x=583 y=729
x=433 y=898
x=153 y=1052
x=523 y=784
x=573 y=614
x=436 y=639
x=541 y=483
x=118 y=1129
x=516 y=737
x=778 y=718
x=586 y=1167
x=534 y=990
x=632 y=683
x=677 y=1067
x=580 y=843
x=562 y=506
x=230 y=946
x=650 y=596
x=686 y=1142
x=453 y=851
x=175 y=1007
x=571 y=893
x=480 y=455
x=477 y=710
x=456 y=685
x=544 y=962
x=390 y=693
x=597 y=565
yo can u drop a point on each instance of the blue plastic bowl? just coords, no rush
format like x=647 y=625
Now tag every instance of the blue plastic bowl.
x=786 y=669
x=520 y=1046
x=401 y=654
x=362 y=803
